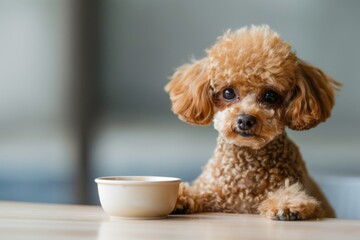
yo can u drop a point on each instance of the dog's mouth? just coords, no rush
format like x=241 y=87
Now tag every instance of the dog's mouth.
x=244 y=133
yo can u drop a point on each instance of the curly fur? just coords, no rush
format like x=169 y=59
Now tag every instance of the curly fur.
x=261 y=171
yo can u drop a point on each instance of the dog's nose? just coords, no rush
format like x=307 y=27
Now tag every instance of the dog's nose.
x=245 y=121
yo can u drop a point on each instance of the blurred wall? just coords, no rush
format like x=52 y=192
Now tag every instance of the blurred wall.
x=34 y=76
x=36 y=147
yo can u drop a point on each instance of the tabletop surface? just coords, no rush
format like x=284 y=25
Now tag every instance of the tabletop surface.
x=47 y=221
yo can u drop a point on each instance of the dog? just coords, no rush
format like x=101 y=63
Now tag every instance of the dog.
x=252 y=86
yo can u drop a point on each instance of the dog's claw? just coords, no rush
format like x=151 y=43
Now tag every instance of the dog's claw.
x=284 y=217
x=178 y=211
x=291 y=216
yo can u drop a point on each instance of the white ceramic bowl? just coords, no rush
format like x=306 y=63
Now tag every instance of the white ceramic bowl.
x=138 y=197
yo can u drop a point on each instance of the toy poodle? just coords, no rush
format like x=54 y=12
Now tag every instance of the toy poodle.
x=252 y=86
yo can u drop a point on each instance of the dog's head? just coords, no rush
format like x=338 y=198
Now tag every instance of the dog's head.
x=252 y=85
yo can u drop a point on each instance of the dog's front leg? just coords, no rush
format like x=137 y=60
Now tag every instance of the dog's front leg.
x=188 y=200
x=289 y=203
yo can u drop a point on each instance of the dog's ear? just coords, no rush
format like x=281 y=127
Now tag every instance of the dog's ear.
x=189 y=92
x=312 y=98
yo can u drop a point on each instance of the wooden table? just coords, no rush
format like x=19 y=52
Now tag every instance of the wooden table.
x=45 y=221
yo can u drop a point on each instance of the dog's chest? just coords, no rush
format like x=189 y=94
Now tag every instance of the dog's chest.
x=245 y=176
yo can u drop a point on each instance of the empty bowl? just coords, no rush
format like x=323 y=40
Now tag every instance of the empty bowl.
x=138 y=197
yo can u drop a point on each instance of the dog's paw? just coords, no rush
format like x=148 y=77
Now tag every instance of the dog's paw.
x=285 y=213
x=188 y=201
x=290 y=203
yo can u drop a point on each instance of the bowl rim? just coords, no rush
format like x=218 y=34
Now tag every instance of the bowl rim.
x=136 y=180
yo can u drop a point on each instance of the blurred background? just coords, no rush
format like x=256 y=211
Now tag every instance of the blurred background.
x=82 y=91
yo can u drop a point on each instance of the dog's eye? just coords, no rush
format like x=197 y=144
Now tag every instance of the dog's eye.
x=229 y=94
x=270 y=97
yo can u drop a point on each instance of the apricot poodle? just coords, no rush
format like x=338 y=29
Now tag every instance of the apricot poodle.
x=252 y=86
